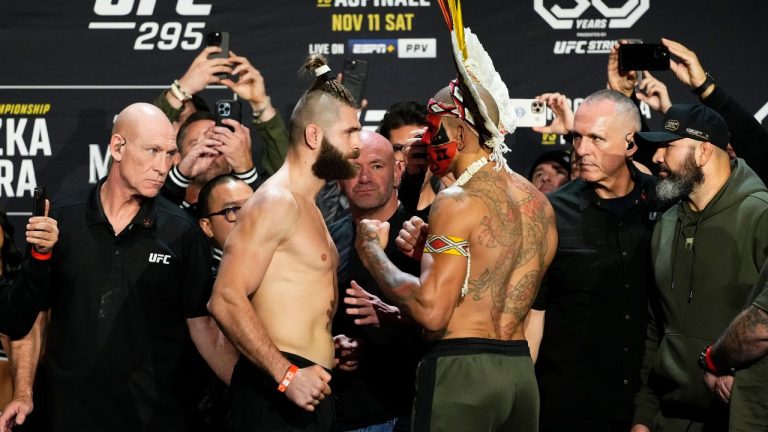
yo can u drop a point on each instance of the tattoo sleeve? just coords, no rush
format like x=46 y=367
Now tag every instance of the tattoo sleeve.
x=745 y=340
x=398 y=285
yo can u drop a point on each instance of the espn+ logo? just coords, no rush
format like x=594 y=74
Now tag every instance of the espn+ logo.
x=563 y=18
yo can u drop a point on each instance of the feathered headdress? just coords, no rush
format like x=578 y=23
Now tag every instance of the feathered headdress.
x=475 y=67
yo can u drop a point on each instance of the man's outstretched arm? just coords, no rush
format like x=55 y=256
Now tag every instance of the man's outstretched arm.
x=430 y=299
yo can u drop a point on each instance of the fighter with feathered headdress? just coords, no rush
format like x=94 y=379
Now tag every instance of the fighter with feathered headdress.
x=475 y=68
x=489 y=239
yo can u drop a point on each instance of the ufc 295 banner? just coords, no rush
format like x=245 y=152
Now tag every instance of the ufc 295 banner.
x=69 y=67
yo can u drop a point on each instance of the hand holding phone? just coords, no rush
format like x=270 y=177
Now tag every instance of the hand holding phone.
x=228 y=109
x=355 y=77
x=562 y=114
x=41 y=236
x=38 y=206
x=415 y=153
x=529 y=112
x=219 y=39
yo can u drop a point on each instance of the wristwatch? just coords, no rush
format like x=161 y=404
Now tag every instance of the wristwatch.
x=706 y=363
x=705 y=85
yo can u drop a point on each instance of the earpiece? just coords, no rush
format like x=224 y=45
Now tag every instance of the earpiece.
x=630 y=144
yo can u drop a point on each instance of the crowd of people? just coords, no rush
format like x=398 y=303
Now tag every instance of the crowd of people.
x=404 y=279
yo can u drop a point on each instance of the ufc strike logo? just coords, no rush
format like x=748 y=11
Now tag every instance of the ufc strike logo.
x=560 y=18
x=159 y=258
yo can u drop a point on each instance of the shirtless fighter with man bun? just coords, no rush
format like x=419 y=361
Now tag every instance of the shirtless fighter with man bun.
x=275 y=294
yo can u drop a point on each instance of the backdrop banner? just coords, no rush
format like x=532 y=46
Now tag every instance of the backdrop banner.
x=70 y=67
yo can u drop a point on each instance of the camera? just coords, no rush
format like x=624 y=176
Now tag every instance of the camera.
x=639 y=57
x=529 y=112
x=219 y=39
x=228 y=109
x=213 y=39
x=224 y=109
x=538 y=107
x=355 y=77
x=38 y=205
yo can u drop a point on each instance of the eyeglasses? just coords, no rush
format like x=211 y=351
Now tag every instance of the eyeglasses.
x=229 y=213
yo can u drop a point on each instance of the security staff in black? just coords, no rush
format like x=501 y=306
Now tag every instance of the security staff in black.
x=118 y=309
x=130 y=282
x=594 y=296
x=596 y=302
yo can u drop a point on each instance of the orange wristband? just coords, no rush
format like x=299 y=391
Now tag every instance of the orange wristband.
x=287 y=378
x=40 y=256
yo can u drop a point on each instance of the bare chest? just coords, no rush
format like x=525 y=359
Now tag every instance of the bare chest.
x=311 y=244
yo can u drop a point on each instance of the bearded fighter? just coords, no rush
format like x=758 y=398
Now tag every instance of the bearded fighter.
x=275 y=294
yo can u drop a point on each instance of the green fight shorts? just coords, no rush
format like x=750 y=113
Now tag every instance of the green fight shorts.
x=476 y=385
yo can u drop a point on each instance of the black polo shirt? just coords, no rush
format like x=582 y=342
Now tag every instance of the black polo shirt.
x=595 y=294
x=382 y=387
x=119 y=305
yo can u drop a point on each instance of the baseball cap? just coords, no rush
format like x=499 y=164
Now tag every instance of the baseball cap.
x=690 y=121
x=560 y=157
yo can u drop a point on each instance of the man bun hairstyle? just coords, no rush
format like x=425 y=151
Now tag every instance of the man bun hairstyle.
x=321 y=102
x=325 y=81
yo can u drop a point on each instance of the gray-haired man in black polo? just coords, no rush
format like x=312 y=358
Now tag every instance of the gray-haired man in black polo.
x=131 y=279
x=590 y=312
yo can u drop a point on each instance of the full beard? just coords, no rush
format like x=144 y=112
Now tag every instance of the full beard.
x=332 y=164
x=681 y=184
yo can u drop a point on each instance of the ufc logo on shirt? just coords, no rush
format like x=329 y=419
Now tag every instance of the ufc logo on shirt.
x=159 y=258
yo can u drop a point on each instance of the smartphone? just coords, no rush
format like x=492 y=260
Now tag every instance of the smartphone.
x=640 y=57
x=228 y=109
x=38 y=208
x=529 y=112
x=355 y=77
x=219 y=39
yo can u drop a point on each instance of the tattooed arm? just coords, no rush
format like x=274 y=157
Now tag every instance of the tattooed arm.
x=430 y=299
x=745 y=340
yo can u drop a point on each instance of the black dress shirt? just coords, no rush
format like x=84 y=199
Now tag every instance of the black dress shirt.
x=595 y=294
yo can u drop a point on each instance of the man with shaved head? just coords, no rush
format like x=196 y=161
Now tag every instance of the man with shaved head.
x=367 y=329
x=275 y=293
x=131 y=278
x=489 y=240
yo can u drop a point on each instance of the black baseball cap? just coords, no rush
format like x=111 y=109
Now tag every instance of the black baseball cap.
x=559 y=157
x=690 y=121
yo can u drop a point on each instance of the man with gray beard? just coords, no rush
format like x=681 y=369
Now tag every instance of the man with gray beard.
x=707 y=252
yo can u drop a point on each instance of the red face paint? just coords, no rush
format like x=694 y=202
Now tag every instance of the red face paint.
x=440 y=149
